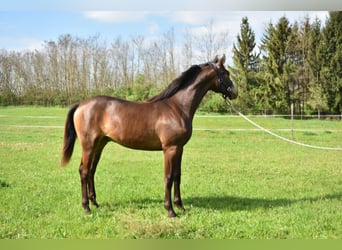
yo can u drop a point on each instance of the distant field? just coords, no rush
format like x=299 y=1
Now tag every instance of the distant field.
x=237 y=182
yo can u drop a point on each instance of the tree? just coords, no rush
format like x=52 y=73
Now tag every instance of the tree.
x=209 y=43
x=314 y=59
x=296 y=69
x=168 y=47
x=331 y=57
x=187 y=49
x=276 y=56
x=245 y=64
x=138 y=42
x=318 y=100
x=7 y=90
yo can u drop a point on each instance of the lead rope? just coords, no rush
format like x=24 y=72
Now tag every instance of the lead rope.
x=275 y=135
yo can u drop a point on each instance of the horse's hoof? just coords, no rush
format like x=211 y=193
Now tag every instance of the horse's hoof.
x=87 y=211
x=172 y=214
x=95 y=204
x=180 y=207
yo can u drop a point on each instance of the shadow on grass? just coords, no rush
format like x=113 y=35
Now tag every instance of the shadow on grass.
x=231 y=203
x=243 y=203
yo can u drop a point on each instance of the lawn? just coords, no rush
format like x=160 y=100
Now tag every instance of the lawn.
x=237 y=182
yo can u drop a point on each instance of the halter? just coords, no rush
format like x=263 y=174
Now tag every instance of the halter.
x=221 y=82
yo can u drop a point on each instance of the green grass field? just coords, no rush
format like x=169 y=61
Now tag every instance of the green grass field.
x=237 y=182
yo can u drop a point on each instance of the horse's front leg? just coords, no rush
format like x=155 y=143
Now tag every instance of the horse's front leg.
x=177 y=181
x=172 y=158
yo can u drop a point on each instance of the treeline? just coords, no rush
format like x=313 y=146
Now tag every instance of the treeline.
x=298 y=65
x=295 y=64
x=71 y=69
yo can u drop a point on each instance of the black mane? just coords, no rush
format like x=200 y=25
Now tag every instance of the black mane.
x=177 y=84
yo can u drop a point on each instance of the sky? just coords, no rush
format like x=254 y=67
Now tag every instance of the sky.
x=29 y=29
x=26 y=24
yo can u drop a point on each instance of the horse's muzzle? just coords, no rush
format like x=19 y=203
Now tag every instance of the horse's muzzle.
x=232 y=92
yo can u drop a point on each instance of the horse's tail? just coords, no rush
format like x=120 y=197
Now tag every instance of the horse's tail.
x=69 y=136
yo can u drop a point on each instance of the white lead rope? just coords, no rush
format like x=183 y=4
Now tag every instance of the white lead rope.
x=275 y=135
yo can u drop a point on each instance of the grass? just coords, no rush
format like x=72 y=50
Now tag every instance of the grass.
x=235 y=184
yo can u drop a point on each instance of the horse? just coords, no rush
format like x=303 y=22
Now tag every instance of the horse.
x=163 y=122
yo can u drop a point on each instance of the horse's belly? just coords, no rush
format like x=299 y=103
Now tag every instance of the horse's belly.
x=141 y=145
x=142 y=141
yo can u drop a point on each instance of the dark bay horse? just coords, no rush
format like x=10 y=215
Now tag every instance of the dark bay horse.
x=164 y=122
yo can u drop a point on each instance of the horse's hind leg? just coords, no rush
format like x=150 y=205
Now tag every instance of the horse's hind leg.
x=95 y=159
x=84 y=176
x=91 y=181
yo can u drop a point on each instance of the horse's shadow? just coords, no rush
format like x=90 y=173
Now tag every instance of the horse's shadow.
x=234 y=203
x=231 y=203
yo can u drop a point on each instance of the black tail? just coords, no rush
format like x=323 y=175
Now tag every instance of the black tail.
x=69 y=136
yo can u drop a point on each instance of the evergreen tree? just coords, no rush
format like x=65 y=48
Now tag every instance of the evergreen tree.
x=331 y=56
x=317 y=99
x=275 y=48
x=314 y=59
x=246 y=64
x=294 y=68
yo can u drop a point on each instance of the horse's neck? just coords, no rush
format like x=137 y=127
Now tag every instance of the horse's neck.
x=190 y=97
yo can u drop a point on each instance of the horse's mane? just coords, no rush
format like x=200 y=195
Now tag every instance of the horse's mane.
x=177 y=84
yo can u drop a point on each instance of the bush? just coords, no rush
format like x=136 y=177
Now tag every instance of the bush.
x=214 y=102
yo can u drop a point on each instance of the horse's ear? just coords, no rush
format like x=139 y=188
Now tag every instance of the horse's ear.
x=222 y=60
x=216 y=59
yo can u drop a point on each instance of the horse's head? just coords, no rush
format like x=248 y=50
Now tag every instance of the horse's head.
x=223 y=84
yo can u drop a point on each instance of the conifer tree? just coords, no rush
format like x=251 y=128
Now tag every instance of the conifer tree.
x=314 y=59
x=275 y=48
x=317 y=99
x=331 y=56
x=246 y=64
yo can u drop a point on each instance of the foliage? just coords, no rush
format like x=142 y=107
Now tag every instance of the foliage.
x=246 y=64
x=213 y=103
x=294 y=67
x=318 y=101
x=331 y=56
x=275 y=47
